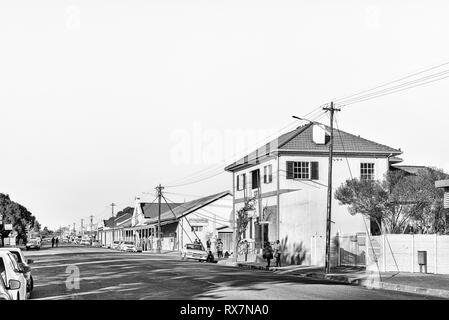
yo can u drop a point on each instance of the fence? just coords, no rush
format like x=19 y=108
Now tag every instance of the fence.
x=346 y=250
x=399 y=252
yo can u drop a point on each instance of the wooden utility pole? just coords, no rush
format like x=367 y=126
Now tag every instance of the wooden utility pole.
x=82 y=230
x=112 y=208
x=159 y=197
x=331 y=109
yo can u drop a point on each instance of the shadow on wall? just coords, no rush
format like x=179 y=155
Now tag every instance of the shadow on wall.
x=295 y=255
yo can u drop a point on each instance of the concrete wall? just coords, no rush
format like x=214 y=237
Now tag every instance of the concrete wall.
x=399 y=252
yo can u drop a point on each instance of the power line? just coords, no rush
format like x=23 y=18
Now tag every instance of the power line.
x=400 y=87
x=246 y=150
x=221 y=170
x=391 y=82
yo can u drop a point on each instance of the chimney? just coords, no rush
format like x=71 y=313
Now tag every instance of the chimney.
x=319 y=134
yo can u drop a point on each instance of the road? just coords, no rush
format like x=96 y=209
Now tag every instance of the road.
x=108 y=274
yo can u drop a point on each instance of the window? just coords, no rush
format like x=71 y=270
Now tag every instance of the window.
x=267 y=174
x=367 y=171
x=197 y=228
x=302 y=170
x=255 y=179
x=241 y=182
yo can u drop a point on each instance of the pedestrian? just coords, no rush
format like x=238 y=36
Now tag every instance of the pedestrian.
x=246 y=249
x=210 y=257
x=57 y=241
x=52 y=242
x=208 y=244
x=267 y=253
x=220 y=248
x=277 y=253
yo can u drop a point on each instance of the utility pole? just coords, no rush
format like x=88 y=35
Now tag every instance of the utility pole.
x=159 y=196
x=74 y=230
x=331 y=109
x=82 y=231
x=112 y=207
x=91 y=225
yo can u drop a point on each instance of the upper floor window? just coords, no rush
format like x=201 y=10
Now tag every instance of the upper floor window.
x=367 y=171
x=302 y=170
x=268 y=174
x=241 y=182
x=255 y=179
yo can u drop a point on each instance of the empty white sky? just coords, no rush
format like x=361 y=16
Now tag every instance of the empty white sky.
x=91 y=92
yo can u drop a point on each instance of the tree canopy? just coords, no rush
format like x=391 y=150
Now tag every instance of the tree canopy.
x=17 y=215
x=401 y=202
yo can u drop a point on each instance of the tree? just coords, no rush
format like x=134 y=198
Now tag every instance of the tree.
x=17 y=215
x=242 y=220
x=401 y=202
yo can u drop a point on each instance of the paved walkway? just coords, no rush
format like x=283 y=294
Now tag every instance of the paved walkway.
x=428 y=284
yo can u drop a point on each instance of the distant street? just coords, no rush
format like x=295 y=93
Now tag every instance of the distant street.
x=107 y=274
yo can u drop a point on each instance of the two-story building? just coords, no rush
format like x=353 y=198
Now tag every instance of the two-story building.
x=288 y=178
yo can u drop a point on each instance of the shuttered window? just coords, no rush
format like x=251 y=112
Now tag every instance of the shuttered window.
x=303 y=170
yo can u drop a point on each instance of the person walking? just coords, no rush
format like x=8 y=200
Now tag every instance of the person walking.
x=57 y=241
x=220 y=248
x=208 y=244
x=267 y=253
x=53 y=242
x=277 y=253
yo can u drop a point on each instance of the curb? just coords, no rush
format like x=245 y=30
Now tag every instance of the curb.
x=366 y=283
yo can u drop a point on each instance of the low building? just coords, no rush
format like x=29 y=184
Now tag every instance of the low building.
x=181 y=223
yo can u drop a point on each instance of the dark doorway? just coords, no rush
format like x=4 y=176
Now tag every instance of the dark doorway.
x=255 y=179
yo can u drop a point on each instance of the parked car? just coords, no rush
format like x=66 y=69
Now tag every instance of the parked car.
x=85 y=242
x=116 y=245
x=96 y=244
x=194 y=251
x=128 y=246
x=4 y=295
x=23 y=264
x=13 y=276
x=33 y=243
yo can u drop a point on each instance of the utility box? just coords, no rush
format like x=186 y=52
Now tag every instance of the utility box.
x=422 y=260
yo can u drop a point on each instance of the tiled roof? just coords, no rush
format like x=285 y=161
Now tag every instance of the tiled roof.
x=122 y=219
x=300 y=140
x=109 y=223
x=151 y=210
x=189 y=207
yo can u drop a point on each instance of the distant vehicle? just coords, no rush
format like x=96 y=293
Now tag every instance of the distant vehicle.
x=12 y=275
x=194 y=251
x=116 y=245
x=96 y=244
x=24 y=265
x=34 y=243
x=128 y=246
x=85 y=242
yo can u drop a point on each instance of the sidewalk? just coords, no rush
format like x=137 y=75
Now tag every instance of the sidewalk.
x=426 y=284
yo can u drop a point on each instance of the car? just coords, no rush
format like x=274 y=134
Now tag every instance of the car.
x=85 y=242
x=194 y=251
x=24 y=264
x=33 y=243
x=4 y=294
x=96 y=244
x=128 y=246
x=13 y=276
x=116 y=245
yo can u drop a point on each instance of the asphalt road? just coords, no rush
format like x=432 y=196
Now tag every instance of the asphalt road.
x=107 y=274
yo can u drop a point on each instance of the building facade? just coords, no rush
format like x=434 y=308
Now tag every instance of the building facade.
x=288 y=179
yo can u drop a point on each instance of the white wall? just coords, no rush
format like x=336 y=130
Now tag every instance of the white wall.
x=399 y=252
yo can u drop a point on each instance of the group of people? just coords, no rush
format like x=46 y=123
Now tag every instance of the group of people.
x=218 y=248
x=270 y=252
x=54 y=242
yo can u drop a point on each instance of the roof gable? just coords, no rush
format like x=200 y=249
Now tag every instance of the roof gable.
x=301 y=140
x=151 y=210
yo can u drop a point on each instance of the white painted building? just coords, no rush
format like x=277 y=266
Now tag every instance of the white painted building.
x=289 y=177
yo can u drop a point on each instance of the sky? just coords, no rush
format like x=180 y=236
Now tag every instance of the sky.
x=103 y=100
